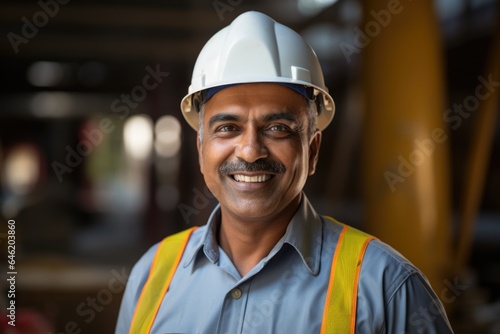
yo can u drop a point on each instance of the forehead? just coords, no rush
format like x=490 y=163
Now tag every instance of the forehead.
x=257 y=97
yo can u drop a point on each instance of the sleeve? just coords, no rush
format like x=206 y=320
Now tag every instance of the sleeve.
x=415 y=308
x=126 y=309
x=395 y=297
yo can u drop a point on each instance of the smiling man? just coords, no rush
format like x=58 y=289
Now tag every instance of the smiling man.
x=266 y=262
x=256 y=154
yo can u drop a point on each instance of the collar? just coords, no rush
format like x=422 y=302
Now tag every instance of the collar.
x=304 y=233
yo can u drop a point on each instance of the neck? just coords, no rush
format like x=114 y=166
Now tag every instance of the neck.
x=246 y=241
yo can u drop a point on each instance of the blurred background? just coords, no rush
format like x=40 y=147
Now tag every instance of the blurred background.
x=97 y=163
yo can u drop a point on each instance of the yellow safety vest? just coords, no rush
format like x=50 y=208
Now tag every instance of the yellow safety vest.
x=339 y=315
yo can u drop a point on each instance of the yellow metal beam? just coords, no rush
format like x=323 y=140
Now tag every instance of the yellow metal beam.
x=405 y=146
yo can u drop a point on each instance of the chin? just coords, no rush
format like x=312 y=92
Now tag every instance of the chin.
x=254 y=209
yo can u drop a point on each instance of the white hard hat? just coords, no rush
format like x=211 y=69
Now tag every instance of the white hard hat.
x=255 y=48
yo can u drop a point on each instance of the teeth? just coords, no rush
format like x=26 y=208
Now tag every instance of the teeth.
x=258 y=178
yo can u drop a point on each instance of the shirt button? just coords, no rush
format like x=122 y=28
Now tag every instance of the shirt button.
x=236 y=293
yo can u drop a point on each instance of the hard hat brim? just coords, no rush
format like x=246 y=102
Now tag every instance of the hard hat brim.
x=324 y=118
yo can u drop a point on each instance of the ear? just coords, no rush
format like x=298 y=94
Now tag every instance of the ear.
x=200 y=152
x=314 y=145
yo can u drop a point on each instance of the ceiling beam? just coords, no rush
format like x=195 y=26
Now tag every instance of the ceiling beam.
x=112 y=16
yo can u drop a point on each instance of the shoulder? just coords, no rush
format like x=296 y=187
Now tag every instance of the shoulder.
x=144 y=263
x=142 y=267
x=393 y=293
x=383 y=254
x=383 y=267
x=138 y=277
x=388 y=266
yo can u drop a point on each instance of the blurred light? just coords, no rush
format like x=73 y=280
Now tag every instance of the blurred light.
x=447 y=9
x=312 y=7
x=138 y=136
x=22 y=169
x=167 y=197
x=350 y=12
x=324 y=39
x=168 y=136
x=46 y=73
x=52 y=104
x=91 y=74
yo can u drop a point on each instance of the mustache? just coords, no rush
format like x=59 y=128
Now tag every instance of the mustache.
x=261 y=165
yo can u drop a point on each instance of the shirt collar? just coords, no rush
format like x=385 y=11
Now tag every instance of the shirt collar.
x=304 y=233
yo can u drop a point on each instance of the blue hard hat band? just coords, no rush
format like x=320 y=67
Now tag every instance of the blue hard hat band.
x=307 y=92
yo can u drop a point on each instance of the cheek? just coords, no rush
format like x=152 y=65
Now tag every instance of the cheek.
x=212 y=155
x=293 y=157
x=302 y=161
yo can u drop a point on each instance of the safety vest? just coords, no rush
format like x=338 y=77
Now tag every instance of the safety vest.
x=339 y=315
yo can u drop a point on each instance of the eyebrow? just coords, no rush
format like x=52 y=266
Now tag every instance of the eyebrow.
x=225 y=117
x=280 y=116
x=222 y=117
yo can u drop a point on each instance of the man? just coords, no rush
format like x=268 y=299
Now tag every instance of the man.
x=266 y=262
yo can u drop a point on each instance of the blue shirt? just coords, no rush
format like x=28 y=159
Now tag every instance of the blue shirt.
x=285 y=292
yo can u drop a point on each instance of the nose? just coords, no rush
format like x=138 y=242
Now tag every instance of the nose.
x=250 y=146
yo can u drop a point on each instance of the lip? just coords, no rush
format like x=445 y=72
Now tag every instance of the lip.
x=246 y=186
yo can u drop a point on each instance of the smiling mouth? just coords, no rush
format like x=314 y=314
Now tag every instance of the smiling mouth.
x=252 y=179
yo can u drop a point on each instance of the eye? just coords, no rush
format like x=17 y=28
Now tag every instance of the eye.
x=278 y=131
x=279 y=128
x=226 y=128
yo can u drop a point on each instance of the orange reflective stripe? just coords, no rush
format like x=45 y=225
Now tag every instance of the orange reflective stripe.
x=163 y=267
x=339 y=315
